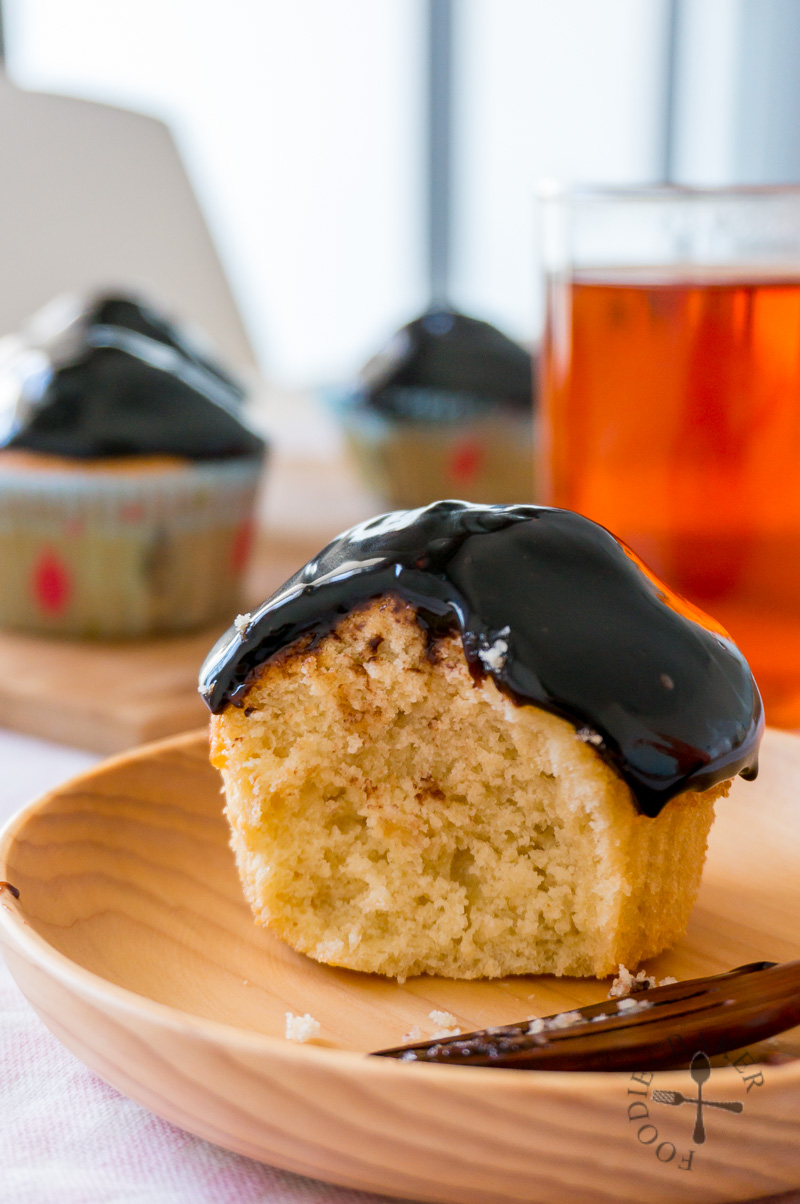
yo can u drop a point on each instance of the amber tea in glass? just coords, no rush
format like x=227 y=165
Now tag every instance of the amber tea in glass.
x=671 y=399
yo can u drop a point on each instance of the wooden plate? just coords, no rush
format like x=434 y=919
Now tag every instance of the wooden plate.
x=131 y=940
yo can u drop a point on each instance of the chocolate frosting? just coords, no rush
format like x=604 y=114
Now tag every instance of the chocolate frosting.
x=559 y=613
x=447 y=366
x=110 y=376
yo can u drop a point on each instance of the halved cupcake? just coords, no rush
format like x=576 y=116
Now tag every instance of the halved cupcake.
x=477 y=741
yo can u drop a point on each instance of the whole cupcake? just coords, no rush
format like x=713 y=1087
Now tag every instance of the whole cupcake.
x=128 y=474
x=445 y=409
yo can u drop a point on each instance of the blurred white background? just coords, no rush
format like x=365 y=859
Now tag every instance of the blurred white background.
x=302 y=126
x=298 y=126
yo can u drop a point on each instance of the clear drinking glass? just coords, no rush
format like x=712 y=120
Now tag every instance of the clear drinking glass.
x=670 y=397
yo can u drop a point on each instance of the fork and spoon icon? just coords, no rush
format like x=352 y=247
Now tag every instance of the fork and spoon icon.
x=700 y=1071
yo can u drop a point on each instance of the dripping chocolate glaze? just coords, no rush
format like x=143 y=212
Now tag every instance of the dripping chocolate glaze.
x=669 y=703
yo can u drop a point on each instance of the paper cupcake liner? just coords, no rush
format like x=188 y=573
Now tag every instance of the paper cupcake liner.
x=108 y=555
x=487 y=458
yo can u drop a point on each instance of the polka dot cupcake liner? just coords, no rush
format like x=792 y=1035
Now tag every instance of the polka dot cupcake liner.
x=105 y=555
x=412 y=463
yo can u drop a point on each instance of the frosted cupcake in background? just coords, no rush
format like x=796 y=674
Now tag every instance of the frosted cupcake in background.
x=128 y=474
x=444 y=410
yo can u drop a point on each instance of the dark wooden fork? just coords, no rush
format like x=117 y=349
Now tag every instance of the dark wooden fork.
x=666 y=1027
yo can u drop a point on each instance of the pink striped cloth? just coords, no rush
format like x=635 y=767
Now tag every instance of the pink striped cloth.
x=66 y=1137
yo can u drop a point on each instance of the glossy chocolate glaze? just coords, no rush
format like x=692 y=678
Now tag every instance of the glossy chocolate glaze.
x=445 y=365
x=110 y=376
x=558 y=612
x=655 y=1030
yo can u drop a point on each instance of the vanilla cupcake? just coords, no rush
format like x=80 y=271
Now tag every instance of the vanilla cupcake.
x=127 y=475
x=446 y=407
x=477 y=741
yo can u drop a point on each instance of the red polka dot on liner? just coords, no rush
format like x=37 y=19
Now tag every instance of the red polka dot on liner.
x=242 y=543
x=466 y=461
x=52 y=584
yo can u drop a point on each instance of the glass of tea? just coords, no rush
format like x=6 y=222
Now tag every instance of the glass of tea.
x=670 y=397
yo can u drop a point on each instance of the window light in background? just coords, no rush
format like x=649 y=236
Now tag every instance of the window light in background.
x=303 y=130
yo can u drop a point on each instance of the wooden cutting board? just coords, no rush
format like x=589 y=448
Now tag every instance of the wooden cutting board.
x=108 y=696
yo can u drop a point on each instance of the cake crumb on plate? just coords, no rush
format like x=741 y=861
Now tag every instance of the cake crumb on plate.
x=301 y=1028
x=443 y=1019
x=627 y=983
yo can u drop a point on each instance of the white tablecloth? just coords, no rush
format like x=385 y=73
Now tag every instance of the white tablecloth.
x=66 y=1137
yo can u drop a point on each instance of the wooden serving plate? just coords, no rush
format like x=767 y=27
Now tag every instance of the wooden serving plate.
x=131 y=940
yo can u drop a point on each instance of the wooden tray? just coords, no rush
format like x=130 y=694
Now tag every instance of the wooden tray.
x=131 y=940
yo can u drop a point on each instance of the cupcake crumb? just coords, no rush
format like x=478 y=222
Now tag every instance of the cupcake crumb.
x=443 y=1019
x=561 y=1020
x=242 y=624
x=494 y=657
x=624 y=982
x=413 y=1034
x=588 y=736
x=627 y=983
x=633 y=1005
x=301 y=1028
x=565 y=1020
x=441 y=1033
